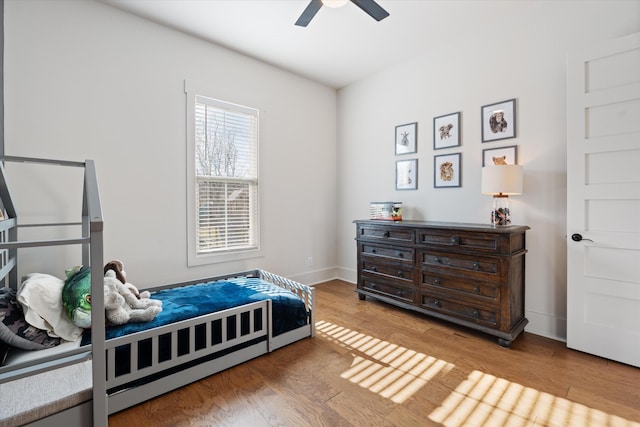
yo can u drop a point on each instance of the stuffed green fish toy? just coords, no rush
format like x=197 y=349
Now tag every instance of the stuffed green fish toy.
x=76 y=296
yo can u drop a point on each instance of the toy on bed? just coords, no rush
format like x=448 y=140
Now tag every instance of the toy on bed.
x=122 y=301
x=115 y=269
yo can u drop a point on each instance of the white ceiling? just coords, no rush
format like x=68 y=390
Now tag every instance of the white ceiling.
x=339 y=47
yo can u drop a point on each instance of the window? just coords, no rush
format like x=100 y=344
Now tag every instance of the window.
x=223 y=147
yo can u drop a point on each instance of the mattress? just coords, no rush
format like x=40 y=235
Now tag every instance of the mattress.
x=186 y=302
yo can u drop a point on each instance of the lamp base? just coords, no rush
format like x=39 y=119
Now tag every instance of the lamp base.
x=501 y=213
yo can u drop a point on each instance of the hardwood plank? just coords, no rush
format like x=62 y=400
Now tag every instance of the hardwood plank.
x=372 y=364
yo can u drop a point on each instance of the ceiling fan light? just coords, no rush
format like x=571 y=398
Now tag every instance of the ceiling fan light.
x=334 y=3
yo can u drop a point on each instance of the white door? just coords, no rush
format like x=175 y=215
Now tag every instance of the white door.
x=603 y=200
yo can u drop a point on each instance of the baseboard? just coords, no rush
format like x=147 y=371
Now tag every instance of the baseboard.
x=347 y=274
x=547 y=325
x=316 y=276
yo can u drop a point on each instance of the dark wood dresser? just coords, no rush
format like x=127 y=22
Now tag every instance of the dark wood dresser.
x=469 y=274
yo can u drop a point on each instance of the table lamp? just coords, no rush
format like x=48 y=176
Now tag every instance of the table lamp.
x=501 y=181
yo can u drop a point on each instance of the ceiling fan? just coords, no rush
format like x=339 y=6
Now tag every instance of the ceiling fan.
x=369 y=6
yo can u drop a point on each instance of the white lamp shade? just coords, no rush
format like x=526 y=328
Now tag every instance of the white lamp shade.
x=502 y=180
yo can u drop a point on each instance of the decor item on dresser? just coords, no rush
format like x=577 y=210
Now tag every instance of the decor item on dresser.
x=469 y=274
x=406 y=138
x=501 y=182
x=498 y=120
x=447 y=170
x=500 y=156
x=446 y=131
x=388 y=211
x=407 y=174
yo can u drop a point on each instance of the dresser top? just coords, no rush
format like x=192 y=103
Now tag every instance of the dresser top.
x=487 y=228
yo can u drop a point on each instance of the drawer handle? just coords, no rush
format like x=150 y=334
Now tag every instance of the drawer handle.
x=374 y=268
x=400 y=255
x=373 y=286
x=476 y=313
x=399 y=293
x=476 y=289
x=386 y=234
x=436 y=303
x=476 y=265
x=400 y=274
x=436 y=259
x=436 y=281
x=454 y=240
x=373 y=251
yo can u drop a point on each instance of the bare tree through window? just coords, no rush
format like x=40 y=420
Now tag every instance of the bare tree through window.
x=225 y=150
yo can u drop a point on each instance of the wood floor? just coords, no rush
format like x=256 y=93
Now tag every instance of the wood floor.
x=372 y=364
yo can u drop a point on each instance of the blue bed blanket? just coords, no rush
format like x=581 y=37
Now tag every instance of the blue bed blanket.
x=289 y=311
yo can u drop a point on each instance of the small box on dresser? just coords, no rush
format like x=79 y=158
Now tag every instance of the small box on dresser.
x=469 y=274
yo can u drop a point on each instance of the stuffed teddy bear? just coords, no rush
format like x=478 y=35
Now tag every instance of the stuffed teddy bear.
x=118 y=268
x=121 y=300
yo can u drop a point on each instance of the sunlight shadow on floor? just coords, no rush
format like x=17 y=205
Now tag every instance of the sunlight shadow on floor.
x=392 y=371
x=486 y=400
x=397 y=373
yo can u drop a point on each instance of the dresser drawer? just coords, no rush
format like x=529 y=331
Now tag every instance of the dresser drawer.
x=461 y=241
x=388 y=234
x=395 y=270
x=477 y=314
x=387 y=288
x=389 y=252
x=470 y=266
x=486 y=292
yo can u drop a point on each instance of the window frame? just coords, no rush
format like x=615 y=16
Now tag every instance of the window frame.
x=194 y=90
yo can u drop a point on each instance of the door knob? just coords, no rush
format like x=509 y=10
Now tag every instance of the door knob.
x=576 y=237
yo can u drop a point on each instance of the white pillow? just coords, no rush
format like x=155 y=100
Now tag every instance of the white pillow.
x=41 y=298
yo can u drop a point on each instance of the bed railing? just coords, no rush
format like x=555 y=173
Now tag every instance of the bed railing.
x=91 y=241
x=185 y=341
x=305 y=293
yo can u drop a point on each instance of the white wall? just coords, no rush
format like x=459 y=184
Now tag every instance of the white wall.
x=511 y=50
x=84 y=80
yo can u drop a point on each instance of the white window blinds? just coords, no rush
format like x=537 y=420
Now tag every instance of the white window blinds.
x=226 y=168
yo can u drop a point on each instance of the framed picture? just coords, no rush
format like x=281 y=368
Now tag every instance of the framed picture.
x=499 y=121
x=407 y=174
x=406 y=137
x=447 y=170
x=446 y=131
x=500 y=156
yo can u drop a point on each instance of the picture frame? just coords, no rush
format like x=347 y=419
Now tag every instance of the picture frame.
x=446 y=131
x=447 y=170
x=500 y=156
x=498 y=120
x=407 y=174
x=406 y=138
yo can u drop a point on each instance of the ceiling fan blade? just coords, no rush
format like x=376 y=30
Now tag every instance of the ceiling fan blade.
x=308 y=14
x=372 y=8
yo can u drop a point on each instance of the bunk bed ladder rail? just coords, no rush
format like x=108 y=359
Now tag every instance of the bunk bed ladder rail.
x=92 y=254
x=8 y=233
